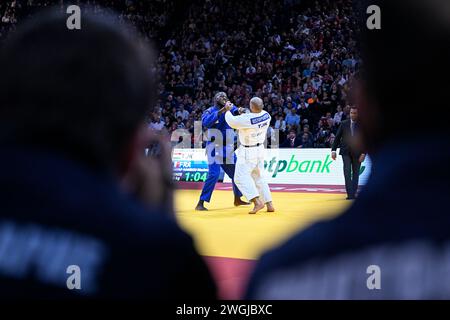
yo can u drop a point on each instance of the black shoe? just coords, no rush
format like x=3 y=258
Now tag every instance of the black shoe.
x=350 y=198
x=200 y=207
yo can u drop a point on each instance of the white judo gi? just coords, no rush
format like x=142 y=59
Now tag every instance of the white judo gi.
x=248 y=175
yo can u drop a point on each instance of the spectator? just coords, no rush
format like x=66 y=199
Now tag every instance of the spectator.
x=329 y=142
x=292 y=141
x=157 y=123
x=323 y=133
x=303 y=111
x=292 y=118
x=338 y=115
x=180 y=124
x=306 y=141
x=291 y=102
x=316 y=82
x=280 y=124
x=182 y=113
x=310 y=135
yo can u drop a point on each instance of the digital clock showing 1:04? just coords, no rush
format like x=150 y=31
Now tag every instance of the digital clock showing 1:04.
x=195 y=177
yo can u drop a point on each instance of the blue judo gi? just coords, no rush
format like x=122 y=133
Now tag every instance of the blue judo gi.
x=218 y=156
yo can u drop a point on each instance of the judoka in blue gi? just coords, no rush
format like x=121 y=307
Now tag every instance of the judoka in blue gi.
x=219 y=148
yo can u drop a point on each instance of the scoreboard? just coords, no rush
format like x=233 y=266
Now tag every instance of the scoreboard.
x=189 y=165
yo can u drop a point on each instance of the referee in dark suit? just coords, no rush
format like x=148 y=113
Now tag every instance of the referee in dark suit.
x=351 y=154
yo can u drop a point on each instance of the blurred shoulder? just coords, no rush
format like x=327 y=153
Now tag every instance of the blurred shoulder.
x=300 y=247
x=142 y=226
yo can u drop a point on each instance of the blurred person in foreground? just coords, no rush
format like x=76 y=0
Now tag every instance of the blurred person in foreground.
x=76 y=191
x=394 y=241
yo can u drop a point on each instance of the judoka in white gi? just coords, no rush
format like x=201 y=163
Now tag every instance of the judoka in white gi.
x=252 y=130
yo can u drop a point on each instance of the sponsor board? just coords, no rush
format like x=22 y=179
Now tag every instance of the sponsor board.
x=282 y=166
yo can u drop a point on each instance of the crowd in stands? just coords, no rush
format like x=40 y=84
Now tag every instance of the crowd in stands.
x=300 y=57
x=150 y=18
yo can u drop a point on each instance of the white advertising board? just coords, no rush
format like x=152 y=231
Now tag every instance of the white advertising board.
x=285 y=166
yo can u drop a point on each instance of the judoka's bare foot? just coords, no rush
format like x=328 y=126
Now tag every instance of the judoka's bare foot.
x=270 y=207
x=258 y=205
x=239 y=202
x=200 y=206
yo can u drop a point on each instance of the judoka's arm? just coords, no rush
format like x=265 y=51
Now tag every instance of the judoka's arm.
x=237 y=122
x=235 y=110
x=209 y=117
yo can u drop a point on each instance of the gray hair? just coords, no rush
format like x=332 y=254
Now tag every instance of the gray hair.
x=257 y=102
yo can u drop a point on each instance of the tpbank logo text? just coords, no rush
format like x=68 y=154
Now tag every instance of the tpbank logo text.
x=275 y=166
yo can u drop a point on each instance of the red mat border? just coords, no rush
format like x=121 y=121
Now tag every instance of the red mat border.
x=307 y=188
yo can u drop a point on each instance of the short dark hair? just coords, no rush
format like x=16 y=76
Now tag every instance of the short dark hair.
x=80 y=92
x=219 y=98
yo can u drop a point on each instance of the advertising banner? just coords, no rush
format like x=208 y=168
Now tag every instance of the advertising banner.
x=282 y=166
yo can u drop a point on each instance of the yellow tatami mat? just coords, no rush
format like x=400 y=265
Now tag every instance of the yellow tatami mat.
x=228 y=231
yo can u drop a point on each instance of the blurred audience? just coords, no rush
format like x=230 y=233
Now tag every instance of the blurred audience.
x=300 y=57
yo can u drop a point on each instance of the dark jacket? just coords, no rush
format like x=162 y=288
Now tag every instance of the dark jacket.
x=405 y=233
x=56 y=214
x=344 y=140
x=287 y=143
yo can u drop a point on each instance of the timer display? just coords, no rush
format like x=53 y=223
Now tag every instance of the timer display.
x=190 y=165
x=194 y=176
